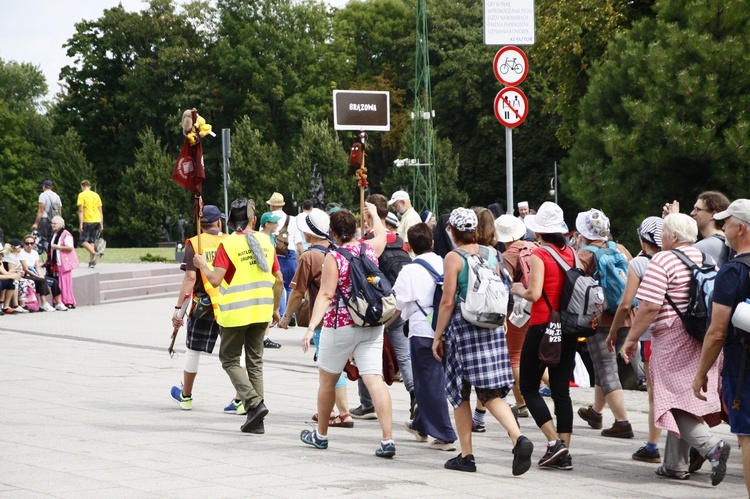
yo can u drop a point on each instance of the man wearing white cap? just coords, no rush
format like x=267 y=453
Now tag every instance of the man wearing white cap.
x=401 y=204
x=286 y=235
x=731 y=289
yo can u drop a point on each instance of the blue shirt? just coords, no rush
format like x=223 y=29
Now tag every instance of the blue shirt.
x=732 y=287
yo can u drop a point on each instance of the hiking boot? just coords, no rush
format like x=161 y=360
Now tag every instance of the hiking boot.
x=696 y=461
x=591 y=417
x=362 y=412
x=676 y=475
x=438 y=444
x=522 y=455
x=310 y=437
x=647 y=456
x=478 y=427
x=185 y=403
x=235 y=407
x=460 y=463
x=417 y=435
x=254 y=417
x=619 y=431
x=565 y=463
x=267 y=343
x=553 y=454
x=718 y=459
x=386 y=450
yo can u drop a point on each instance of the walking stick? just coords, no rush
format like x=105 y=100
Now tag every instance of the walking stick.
x=180 y=314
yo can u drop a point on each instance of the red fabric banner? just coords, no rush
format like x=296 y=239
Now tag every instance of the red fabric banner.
x=188 y=170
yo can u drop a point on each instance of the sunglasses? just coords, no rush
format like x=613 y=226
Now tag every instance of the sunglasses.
x=29 y=244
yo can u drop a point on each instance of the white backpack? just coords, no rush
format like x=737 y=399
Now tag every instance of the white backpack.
x=486 y=302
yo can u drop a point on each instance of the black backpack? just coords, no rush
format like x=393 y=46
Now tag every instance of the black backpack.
x=372 y=301
x=697 y=317
x=393 y=259
x=437 y=295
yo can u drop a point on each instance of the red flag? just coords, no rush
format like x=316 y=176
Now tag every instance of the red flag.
x=188 y=170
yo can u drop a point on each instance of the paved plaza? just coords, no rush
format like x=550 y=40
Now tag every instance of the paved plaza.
x=85 y=412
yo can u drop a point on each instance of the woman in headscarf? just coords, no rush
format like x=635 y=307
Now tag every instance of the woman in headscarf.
x=63 y=260
x=474 y=356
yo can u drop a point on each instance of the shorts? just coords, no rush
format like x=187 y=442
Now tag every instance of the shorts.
x=739 y=419
x=606 y=373
x=7 y=284
x=341 y=383
x=365 y=343
x=90 y=232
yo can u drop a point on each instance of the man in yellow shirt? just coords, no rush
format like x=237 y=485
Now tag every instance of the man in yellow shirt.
x=90 y=221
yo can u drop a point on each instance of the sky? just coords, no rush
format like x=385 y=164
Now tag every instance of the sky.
x=34 y=31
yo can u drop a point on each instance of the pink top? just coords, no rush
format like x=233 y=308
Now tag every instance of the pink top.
x=345 y=286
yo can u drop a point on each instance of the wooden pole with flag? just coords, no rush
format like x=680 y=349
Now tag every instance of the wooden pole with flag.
x=361 y=177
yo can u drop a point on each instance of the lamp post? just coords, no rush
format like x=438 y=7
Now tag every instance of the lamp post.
x=553 y=184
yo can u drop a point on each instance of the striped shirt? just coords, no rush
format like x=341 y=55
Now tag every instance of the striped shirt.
x=667 y=274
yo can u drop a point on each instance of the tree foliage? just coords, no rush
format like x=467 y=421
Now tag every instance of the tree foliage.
x=666 y=116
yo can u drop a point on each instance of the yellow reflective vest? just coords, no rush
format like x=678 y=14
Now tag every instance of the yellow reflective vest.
x=248 y=299
x=209 y=245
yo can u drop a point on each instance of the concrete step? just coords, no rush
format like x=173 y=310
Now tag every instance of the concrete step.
x=110 y=283
x=143 y=281
x=110 y=295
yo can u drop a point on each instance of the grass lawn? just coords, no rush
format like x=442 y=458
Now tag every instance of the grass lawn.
x=129 y=255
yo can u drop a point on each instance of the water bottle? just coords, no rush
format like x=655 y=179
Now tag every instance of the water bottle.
x=517 y=306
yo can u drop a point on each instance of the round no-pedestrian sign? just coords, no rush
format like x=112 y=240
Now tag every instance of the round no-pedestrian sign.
x=511 y=66
x=511 y=106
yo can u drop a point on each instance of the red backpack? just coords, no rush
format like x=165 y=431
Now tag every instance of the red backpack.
x=524 y=260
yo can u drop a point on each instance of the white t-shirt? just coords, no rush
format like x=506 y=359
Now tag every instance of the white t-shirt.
x=291 y=230
x=31 y=258
x=416 y=285
x=46 y=197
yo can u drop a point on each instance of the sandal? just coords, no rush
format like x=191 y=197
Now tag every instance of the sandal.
x=315 y=416
x=338 y=421
x=523 y=412
x=667 y=473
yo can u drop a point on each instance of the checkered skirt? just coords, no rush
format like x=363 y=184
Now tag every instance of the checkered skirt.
x=477 y=356
x=202 y=333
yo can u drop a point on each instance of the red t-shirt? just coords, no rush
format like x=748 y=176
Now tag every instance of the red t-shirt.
x=553 y=282
x=222 y=260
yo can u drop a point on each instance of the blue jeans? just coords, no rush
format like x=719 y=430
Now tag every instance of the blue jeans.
x=288 y=264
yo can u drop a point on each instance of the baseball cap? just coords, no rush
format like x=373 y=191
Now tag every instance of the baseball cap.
x=15 y=242
x=211 y=214
x=47 y=183
x=398 y=196
x=269 y=217
x=739 y=208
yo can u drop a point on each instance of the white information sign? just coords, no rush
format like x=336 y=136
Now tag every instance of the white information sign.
x=509 y=22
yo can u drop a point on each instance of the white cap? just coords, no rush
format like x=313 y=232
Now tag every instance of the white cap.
x=739 y=208
x=399 y=196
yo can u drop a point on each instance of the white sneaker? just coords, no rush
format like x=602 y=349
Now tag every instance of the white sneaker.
x=438 y=444
x=20 y=310
x=417 y=435
x=47 y=308
x=60 y=307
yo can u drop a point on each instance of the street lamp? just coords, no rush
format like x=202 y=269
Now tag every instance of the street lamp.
x=553 y=184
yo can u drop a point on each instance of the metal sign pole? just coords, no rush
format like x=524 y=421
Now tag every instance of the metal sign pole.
x=509 y=168
x=226 y=150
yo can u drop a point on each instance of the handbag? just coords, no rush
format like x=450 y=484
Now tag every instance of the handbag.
x=550 y=347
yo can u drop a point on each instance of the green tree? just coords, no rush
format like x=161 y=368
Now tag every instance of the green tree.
x=666 y=116
x=149 y=195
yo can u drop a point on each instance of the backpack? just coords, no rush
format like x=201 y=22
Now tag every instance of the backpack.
x=282 y=238
x=308 y=300
x=437 y=295
x=612 y=273
x=582 y=301
x=372 y=301
x=54 y=208
x=393 y=259
x=697 y=317
x=524 y=261
x=487 y=293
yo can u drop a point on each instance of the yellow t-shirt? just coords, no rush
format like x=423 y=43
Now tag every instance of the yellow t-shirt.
x=91 y=203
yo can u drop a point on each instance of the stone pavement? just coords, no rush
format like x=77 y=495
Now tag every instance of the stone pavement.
x=85 y=411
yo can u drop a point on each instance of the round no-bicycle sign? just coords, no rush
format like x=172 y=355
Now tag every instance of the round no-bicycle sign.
x=511 y=66
x=511 y=107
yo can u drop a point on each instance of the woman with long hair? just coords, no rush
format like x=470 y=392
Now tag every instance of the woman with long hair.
x=474 y=356
x=341 y=338
x=546 y=281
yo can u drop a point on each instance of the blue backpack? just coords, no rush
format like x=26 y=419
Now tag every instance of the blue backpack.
x=437 y=295
x=612 y=274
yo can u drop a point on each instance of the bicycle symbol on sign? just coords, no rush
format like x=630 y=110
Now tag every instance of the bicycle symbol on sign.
x=511 y=65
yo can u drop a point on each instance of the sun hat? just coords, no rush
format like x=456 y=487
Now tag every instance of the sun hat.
x=593 y=225
x=548 y=219
x=316 y=223
x=509 y=228
x=463 y=220
x=391 y=219
x=238 y=214
x=269 y=217
x=398 y=196
x=650 y=230
x=276 y=200
x=211 y=214
x=739 y=208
